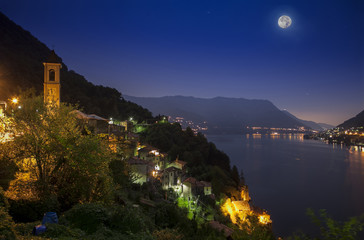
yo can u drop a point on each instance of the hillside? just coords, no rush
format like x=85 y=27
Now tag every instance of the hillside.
x=224 y=115
x=357 y=121
x=325 y=126
x=21 y=68
x=311 y=124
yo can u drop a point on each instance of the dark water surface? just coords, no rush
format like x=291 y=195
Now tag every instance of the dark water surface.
x=287 y=174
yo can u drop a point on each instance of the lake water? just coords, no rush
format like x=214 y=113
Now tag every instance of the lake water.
x=287 y=174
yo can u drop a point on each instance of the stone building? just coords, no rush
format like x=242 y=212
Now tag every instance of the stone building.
x=142 y=169
x=52 y=80
x=172 y=178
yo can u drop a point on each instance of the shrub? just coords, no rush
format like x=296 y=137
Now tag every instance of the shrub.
x=7 y=231
x=26 y=210
x=119 y=172
x=106 y=233
x=169 y=216
x=3 y=200
x=167 y=234
x=26 y=229
x=87 y=217
x=31 y=210
x=58 y=230
x=129 y=220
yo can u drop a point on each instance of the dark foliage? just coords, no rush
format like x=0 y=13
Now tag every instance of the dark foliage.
x=332 y=229
x=87 y=217
x=129 y=220
x=120 y=172
x=7 y=231
x=31 y=210
x=8 y=169
x=235 y=175
x=3 y=199
x=195 y=150
x=204 y=160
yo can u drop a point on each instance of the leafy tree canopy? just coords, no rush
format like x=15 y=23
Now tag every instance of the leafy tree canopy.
x=53 y=155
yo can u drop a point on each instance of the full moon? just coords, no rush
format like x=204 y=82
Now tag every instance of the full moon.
x=284 y=21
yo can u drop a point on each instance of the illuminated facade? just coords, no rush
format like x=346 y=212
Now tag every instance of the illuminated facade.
x=192 y=188
x=2 y=108
x=52 y=84
x=142 y=169
x=172 y=178
x=238 y=211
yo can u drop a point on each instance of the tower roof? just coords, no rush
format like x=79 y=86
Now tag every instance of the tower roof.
x=53 y=58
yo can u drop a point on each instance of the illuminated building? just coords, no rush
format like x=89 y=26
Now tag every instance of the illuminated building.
x=2 y=108
x=141 y=169
x=240 y=209
x=192 y=188
x=52 y=84
x=172 y=178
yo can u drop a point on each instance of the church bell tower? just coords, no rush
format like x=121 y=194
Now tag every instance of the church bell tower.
x=52 y=84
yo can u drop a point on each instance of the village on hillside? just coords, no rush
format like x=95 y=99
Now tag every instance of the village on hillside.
x=146 y=163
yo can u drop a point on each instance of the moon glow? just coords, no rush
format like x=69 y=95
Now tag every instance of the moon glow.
x=284 y=21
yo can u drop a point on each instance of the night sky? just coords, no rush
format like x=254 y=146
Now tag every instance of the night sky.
x=153 y=48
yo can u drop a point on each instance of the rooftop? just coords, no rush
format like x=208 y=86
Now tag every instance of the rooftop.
x=53 y=58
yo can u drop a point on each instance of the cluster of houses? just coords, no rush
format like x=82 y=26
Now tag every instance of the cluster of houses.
x=146 y=162
x=149 y=163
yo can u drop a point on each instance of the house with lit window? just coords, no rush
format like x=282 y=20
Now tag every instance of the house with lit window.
x=192 y=188
x=148 y=153
x=153 y=155
x=172 y=178
x=207 y=190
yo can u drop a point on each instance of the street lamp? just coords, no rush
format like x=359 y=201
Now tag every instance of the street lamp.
x=15 y=100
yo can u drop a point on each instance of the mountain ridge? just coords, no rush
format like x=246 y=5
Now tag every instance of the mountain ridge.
x=313 y=125
x=357 y=121
x=227 y=114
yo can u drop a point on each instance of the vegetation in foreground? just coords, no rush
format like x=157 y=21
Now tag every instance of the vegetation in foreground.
x=53 y=163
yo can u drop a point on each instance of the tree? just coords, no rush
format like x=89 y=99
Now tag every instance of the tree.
x=235 y=175
x=56 y=158
x=252 y=229
x=331 y=229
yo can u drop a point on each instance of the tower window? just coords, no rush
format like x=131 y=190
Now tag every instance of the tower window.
x=52 y=75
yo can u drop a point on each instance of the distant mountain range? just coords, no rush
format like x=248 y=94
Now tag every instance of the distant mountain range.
x=326 y=126
x=223 y=115
x=21 y=68
x=357 y=121
x=311 y=124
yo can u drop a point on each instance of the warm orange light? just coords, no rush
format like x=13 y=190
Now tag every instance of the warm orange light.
x=239 y=210
x=14 y=100
x=264 y=218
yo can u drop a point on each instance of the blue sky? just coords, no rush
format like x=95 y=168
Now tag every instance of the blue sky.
x=314 y=68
